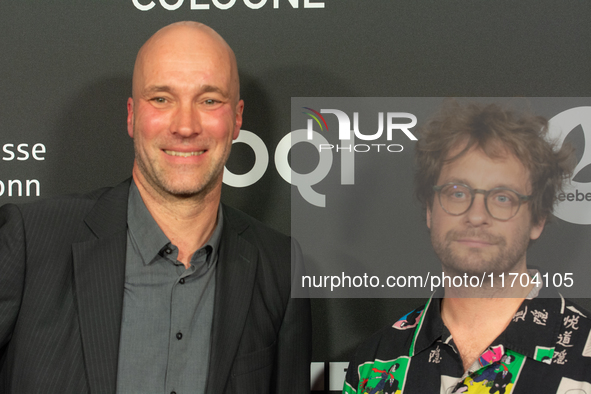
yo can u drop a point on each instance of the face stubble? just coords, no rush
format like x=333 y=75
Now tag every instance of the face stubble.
x=476 y=261
x=156 y=175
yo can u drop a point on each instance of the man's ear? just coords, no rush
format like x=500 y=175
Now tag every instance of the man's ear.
x=429 y=217
x=130 y=117
x=536 y=229
x=239 y=110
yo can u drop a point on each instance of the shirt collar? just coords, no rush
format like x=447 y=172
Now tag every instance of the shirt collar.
x=430 y=328
x=536 y=325
x=150 y=239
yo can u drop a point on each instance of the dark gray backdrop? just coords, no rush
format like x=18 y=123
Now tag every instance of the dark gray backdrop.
x=66 y=74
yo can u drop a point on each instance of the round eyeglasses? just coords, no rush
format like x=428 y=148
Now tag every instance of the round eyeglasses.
x=501 y=203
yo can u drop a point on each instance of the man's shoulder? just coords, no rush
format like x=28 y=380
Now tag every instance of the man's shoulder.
x=577 y=318
x=565 y=308
x=566 y=342
x=385 y=349
x=73 y=199
x=393 y=340
x=252 y=228
x=573 y=306
x=65 y=209
x=58 y=202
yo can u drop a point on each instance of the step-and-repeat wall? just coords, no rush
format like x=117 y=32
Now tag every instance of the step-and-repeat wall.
x=66 y=75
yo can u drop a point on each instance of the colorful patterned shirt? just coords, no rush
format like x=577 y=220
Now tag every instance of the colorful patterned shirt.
x=545 y=349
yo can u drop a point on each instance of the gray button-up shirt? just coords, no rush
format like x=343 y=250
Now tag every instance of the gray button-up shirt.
x=167 y=309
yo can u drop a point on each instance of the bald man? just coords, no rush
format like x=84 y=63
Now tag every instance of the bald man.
x=154 y=286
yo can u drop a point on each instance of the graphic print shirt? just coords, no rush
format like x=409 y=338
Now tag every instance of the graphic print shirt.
x=545 y=349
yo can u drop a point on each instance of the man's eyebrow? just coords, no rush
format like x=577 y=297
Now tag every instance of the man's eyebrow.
x=456 y=180
x=203 y=89
x=157 y=89
x=465 y=182
x=213 y=89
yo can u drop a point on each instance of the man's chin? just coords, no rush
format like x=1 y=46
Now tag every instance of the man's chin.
x=179 y=189
x=473 y=268
x=188 y=185
x=184 y=191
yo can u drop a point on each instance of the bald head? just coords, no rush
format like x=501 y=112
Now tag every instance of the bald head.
x=187 y=42
x=185 y=112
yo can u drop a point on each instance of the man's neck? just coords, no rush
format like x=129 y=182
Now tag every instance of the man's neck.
x=187 y=222
x=476 y=317
x=475 y=323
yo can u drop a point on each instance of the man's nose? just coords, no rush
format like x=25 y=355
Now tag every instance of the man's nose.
x=478 y=215
x=186 y=121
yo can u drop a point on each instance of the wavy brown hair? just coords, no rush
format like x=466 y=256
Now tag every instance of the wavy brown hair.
x=495 y=130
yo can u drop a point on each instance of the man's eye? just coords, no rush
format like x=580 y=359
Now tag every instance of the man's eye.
x=159 y=100
x=455 y=193
x=210 y=102
x=504 y=199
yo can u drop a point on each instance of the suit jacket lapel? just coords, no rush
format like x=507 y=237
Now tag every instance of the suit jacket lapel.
x=99 y=272
x=235 y=277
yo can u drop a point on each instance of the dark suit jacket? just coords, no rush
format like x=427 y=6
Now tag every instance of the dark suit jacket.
x=62 y=272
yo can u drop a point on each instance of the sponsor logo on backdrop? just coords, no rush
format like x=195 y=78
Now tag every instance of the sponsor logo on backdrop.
x=379 y=142
x=390 y=124
x=348 y=139
x=574 y=205
x=171 y=5
x=19 y=153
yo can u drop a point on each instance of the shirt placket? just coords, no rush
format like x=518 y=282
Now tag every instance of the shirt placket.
x=180 y=321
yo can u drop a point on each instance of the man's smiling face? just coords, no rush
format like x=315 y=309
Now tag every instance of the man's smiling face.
x=185 y=111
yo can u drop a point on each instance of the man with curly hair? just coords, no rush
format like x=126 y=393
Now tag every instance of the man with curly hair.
x=488 y=179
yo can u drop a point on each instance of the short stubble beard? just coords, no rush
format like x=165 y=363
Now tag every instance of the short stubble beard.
x=505 y=260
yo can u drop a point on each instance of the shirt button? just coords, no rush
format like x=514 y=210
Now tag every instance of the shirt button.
x=173 y=392
x=179 y=336
x=168 y=251
x=182 y=281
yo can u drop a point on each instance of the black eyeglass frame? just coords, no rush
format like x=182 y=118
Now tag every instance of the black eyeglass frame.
x=485 y=193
